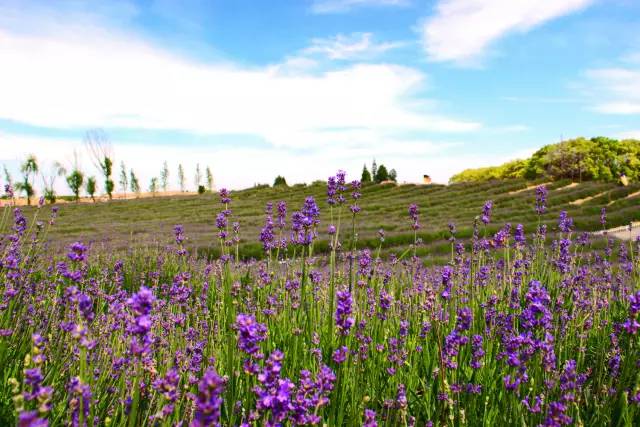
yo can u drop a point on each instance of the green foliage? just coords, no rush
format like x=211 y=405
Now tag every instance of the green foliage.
x=75 y=181
x=107 y=166
x=579 y=159
x=164 y=176
x=134 y=184
x=50 y=195
x=280 y=181
x=153 y=186
x=393 y=175
x=201 y=189
x=381 y=174
x=181 y=178
x=29 y=169
x=91 y=187
x=124 y=179
x=209 y=176
x=366 y=175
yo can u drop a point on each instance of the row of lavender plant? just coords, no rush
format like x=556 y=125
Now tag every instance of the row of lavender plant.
x=514 y=330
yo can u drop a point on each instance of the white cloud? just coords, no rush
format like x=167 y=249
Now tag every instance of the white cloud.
x=462 y=30
x=349 y=47
x=99 y=78
x=340 y=6
x=614 y=90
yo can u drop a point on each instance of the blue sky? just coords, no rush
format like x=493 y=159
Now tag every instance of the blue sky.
x=254 y=89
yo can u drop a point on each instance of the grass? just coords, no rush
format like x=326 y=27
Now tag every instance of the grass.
x=126 y=223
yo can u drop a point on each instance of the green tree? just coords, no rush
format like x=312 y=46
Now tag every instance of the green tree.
x=153 y=186
x=181 y=178
x=75 y=180
x=164 y=176
x=393 y=175
x=280 y=181
x=91 y=187
x=29 y=170
x=134 y=185
x=124 y=179
x=198 y=177
x=209 y=179
x=7 y=176
x=366 y=175
x=97 y=143
x=374 y=169
x=49 y=181
x=381 y=174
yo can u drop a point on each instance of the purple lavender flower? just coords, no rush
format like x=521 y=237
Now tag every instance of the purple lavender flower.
x=250 y=333
x=369 y=418
x=486 y=212
x=224 y=196
x=565 y=223
x=267 y=235
x=541 y=199
x=209 y=400
x=519 y=236
x=77 y=252
x=603 y=217
x=413 y=215
x=141 y=304
x=31 y=419
x=340 y=355
x=344 y=321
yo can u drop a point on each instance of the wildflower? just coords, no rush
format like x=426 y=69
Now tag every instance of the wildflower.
x=413 y=215
x=565 y=223
x=369 y=418
x=31 y=419
x=344 y=321
x=225 y=199
x=340 y=355
x=209 y=400
x=141 y=304
x=541 y=199
x=250 y=333
x=77 y=252
x=486 y=212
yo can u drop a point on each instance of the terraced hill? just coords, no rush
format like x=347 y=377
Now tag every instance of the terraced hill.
x=135 y=223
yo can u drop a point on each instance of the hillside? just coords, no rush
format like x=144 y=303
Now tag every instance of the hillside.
x=120 y=224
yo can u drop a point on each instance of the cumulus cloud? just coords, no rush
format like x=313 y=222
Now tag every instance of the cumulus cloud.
x=462 y=30
x=110 y=80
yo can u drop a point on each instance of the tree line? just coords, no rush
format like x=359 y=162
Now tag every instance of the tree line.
x=580 y=159
x=100 y=152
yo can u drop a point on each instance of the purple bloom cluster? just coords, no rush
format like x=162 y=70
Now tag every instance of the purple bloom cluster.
x=541 y=199
x=250 y=334
x=141 y=304
x=413 y=215
x=209 y=400
x=344 y=321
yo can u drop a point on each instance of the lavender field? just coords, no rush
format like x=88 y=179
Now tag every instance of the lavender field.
x=515 y=329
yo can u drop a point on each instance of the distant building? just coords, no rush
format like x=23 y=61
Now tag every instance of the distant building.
x=426 y=179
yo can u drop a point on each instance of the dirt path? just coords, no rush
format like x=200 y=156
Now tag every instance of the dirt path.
x=530 y=187
x=623 y=232
x=586 y=199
